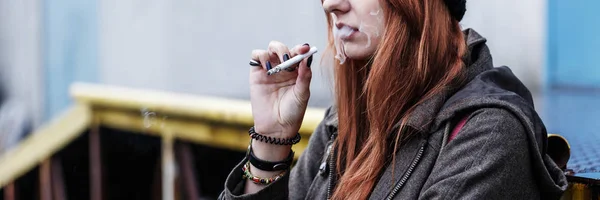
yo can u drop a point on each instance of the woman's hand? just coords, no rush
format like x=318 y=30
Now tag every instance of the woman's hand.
x=279 y=101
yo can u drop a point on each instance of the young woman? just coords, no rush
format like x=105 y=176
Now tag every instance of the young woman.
x=420 y=113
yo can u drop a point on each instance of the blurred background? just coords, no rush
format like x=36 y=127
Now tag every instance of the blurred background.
x=202 y=47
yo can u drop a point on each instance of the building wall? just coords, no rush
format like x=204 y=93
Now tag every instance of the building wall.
x=70 y=49
x=202 y=47
x=198 y=46
x=517 y=34
x=20 y=55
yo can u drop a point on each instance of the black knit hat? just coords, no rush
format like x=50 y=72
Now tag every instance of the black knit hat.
x=457 y=8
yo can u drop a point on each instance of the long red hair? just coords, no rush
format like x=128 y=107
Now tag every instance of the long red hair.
x=419 y=55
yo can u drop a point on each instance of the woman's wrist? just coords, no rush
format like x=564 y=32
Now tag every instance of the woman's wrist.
x=275 y=133
x=270 y=152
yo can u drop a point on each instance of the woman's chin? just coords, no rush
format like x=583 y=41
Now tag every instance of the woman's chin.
x=357 y=55
x=358 y=52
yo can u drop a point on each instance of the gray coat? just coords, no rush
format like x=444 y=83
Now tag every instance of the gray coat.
x=500 y=153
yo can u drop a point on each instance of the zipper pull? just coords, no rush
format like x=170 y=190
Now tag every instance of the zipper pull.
x=325 y=159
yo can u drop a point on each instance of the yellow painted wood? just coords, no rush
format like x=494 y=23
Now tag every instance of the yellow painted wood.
x=196 y=131
x=580 y=191
x=215 y=122
x=43 y=142
x=220 y=110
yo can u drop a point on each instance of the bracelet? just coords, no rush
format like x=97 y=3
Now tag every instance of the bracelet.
x=257 y=180
x=268 y=165
x=278 y=141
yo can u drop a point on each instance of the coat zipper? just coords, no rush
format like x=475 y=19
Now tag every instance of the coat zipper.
x=331 y=167
x=407 y=174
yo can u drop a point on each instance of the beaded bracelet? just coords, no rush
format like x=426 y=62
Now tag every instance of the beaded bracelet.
x=257 y=180
x=278 y=141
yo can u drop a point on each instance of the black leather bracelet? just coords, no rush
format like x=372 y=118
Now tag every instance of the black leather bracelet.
x=267 y=165
x=278 y=141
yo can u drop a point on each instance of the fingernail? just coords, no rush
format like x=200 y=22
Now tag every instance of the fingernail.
x=254 y=63
x=306 y=44
x=309 y=61
x=268 y=65
x=286 y=57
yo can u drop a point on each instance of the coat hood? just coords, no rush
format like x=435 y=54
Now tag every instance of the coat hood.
x=498 y=87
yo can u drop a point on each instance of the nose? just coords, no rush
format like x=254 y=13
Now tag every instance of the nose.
x=336 y=7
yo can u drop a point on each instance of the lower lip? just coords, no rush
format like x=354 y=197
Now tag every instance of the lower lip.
x=344 y=37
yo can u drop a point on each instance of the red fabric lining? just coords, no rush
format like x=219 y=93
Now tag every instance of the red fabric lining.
x=457 y=128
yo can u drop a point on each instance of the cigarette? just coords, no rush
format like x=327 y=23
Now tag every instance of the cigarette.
x=292 y=61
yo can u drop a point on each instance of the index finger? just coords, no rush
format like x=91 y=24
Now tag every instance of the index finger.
x=299 y=49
